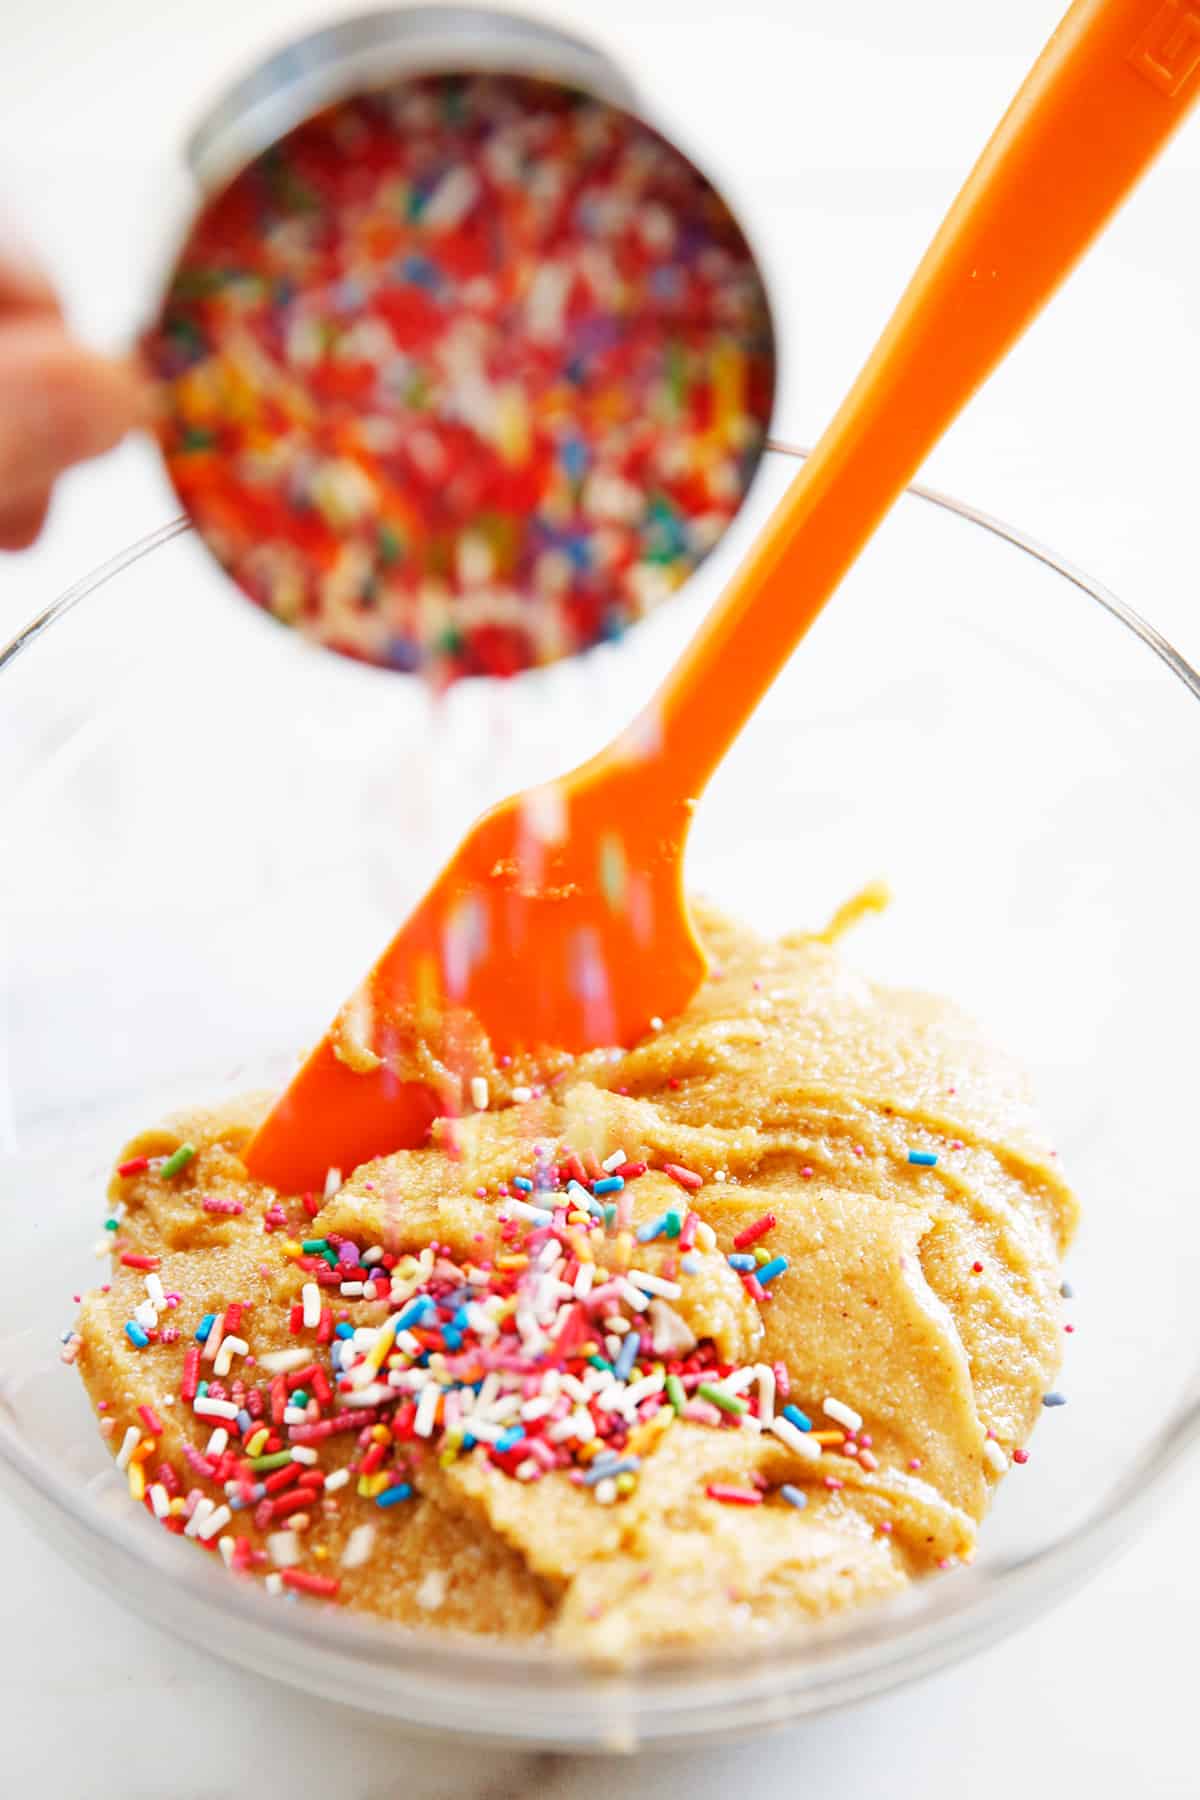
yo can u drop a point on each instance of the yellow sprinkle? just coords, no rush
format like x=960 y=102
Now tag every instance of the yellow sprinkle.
x=828 y=1437
x=576 y=1218
x=585 y=1452
x=176 y=1506
x=320 y=1552
x=381 y=1347
x=370 y=1485
x=380 y=1434
x=292 y=1247
x=137 y=1481
x=643 y=1438
x=254 y=1445
x=512 y=1262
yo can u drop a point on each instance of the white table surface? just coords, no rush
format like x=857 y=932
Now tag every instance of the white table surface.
x=842 y=131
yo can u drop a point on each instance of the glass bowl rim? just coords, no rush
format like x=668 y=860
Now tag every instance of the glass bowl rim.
x=663 y=1698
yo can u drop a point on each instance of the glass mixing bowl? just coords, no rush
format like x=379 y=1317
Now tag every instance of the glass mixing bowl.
x=210 y=828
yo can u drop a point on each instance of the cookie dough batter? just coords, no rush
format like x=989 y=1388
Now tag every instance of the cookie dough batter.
x=822 y=1210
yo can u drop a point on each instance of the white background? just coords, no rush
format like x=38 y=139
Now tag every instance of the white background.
x=842 y=132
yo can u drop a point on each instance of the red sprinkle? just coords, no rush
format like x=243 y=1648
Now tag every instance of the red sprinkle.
x=324 y=1585
x=629 y=1171
x=137 y=1165
x=133 y=1261
x=1020 y=1456
x=733 y=1496
x=752 y=1233
x=686 y=1178
x=191 y=1373
x=150 y=1420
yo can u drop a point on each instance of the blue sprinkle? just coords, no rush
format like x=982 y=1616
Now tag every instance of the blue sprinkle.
x=691 y=1263
x=609 y=1184
x=234 y=1502
x=522 y=1185
x=739 y=1259
x=1066 y=1290
x=511 y=1437
x=135 y=1334
x=451 y=1337
x=469 y=1442
x=647 y=1233
x=343 y=1330
x=394 y=1495
x=1054 y=1399
x=922 y=1159
x=794 y=1496
x=770 y=1270
x=415 y=1311
x=205 y=1326
x=601 y=1471
x=795 y=1417
x=627 y=1355
x=244 y=1421
x=460 y=1321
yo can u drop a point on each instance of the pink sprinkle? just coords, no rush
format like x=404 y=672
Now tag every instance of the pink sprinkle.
x=806 y=1174
x=686 y=1178
x=914 y=1462
x=885 y=1525
x=831 y=1481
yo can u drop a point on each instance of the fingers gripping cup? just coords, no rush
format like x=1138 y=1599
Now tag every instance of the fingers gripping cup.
x=465 y=366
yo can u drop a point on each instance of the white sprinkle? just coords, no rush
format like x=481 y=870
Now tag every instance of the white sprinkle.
x=528 y=1470
x=584 y=1280
x=994 y=1456
x=205 y=1408
x=631 y=1295
x=295 y=1415
x=351 y=1289
x=654 y=1284
x=605 y=1492
x=359 y=1546
x=642 y=1390
x=230 y=1347
x=842 y=1414
x=217 y=1442
x=614 y=1161
x=154 y=1289
x=333 y=1181
x=706 y=1237
x=278 y=1362
x=283 y=1548
x=426 y=1410
x=656 y=1023
x=274 y=1583
x=479 y=1093
x=129 y=1444
x=203 y=1510
x=521 y=1209
x=310 y=1294
x=226 y=1546
x=160 y=1500
x=537 y=1408
x=336 y=1479
x=765 y=1376
x=370 y=1257
x=431 y=1592
x=146 y=1314
x=215 y=1522
x=304 y=1453
x=521 y=1095
x=799 y=1441
x=670 y=1335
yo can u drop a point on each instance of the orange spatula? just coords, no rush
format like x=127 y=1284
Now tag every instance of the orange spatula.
x=524 y=936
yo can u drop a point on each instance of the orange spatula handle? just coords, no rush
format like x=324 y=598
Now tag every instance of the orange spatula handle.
x=1108 y=90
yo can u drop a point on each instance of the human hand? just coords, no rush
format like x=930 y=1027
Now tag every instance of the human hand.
x=59 y=402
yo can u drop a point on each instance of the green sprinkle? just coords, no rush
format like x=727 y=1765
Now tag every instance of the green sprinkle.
x=178 y=1159
x=314 y=1246
x=610 y=1216
x=673 y=1221
x=299 y=1398
x=391 y=547
x=730 y=1403
x=675 y=1393
x=261 y=1464
x=112 y=1224
x=598 y=1362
